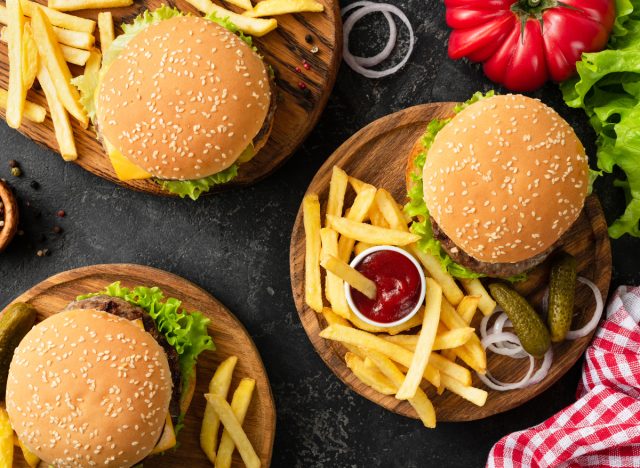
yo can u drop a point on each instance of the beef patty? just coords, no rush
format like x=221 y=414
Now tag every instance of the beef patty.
x=498 y=270
x=122 y=308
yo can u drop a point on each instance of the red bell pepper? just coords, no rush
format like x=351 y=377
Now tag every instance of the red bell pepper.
x=524 y=43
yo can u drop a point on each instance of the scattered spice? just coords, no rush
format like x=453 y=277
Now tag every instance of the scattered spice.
x=308 y=38
x=61 y=214
x=16 y=171
x=57 y=230
x=302 y=85
x=306 y=65
x=298 y=70
x=42 y=252
x=315 y=50
x=13 y=163
x=35 y=185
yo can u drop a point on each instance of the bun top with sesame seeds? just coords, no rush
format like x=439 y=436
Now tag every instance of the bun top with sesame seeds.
x=505 y=178
x=184 y=99
x=87 y=388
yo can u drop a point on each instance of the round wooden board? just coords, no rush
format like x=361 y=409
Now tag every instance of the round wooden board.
x=284 y=49
x=377 y=154
x=229 y=335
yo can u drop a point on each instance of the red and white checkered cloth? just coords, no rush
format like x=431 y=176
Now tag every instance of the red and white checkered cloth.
x=602 y=428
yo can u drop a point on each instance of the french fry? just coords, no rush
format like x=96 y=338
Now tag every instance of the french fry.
x=471 y=352
x=283 y=7
x=449 y=287
x=475 y=395
x=450 y=368
x=475 y=287
x=105 y=26
x=6 y=440
x=445 y=340
x=234 y=429
x=371 y=234
x=219 y=386
x=51 y=56
x=358 y=185
x=377 y=219
x=419 y=401
x=334 y=286
x=239 y=404
x=93 y=64
x=32 y=111
x=253 y=26
x=30 y=61
x=17 y=90
x=59 y=19
x=358 y=213
x=313 y=286
x=350 y=275
x=31 y=458
x=369 y=342
x=392 y=213
x=371 y=377
x=337 y=189
x=361 y=247
x=74 y=5
x=333 y=318
x=78 y=39
x=413 y=322
x=70 y=54
x=467 y=307
x=425 y=342
x=61 y=124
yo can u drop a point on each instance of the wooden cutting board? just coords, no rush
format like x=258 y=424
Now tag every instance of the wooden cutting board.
x=377 y=154
x=284 y=49
x=229 y=335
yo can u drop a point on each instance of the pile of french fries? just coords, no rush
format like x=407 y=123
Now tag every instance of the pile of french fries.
x=392 y=361
x=42 y=40
x=230 y=415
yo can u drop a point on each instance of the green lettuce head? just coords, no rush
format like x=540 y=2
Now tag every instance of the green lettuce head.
x=88 y=85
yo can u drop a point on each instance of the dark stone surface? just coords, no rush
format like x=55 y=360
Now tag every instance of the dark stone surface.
x=236 y=244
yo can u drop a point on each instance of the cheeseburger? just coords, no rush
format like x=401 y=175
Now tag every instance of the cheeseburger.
x=106 y=381
x=496 y=186
x=180 y=99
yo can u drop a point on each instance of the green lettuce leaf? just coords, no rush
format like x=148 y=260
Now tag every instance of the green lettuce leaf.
x=416 y=207
x=607 y=87
x=185 y=331
x=194 y=188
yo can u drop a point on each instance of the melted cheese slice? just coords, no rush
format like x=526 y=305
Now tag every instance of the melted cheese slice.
x=125 y=169
x=167 y=440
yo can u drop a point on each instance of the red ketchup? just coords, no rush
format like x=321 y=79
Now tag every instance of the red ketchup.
x=398 y=282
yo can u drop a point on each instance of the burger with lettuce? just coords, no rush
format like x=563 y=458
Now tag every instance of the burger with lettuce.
x=108 y=380
x=182 y=100
x=495 y=187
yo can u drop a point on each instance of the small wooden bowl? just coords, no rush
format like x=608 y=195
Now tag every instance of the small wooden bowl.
x=10 y=216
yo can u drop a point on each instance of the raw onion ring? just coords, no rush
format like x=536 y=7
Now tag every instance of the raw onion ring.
x=597 y=314
x=391 y=42
x=352 y=61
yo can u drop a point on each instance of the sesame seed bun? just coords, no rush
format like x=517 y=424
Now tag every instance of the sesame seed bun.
x=184 y=99
x=87 y=388
x=505 y=179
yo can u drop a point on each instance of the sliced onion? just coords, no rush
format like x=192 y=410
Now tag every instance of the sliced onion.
x=597 y=314
x=515 y=351
x=391 y=41
x=491 y=382
x=364 y=10
x=544 y=368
